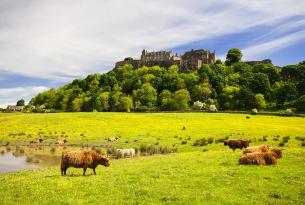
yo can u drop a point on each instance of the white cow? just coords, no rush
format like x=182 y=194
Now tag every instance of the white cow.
x=127 y=152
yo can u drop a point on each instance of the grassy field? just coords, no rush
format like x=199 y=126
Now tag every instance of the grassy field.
x=194 y=175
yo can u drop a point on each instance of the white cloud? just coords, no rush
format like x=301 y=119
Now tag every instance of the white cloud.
x=258 y=50
x=9 y=96
x=57 y=39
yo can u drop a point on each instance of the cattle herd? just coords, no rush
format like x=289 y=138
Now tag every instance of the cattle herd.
x=256 y=155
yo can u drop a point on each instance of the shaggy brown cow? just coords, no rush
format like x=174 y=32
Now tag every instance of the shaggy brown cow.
x=261 y=158
x=82 y=159
x=260 y=148
x=237 y=144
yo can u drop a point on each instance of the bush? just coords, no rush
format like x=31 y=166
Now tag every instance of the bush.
x=285 y=139
x=254 y=111
x=265 y=138
x=183 y=141
x=210 y=140
x=213 y=108
x=198 y=105
x=221 y=140
x=281 y=144
x=303 y=143
x=201 y=142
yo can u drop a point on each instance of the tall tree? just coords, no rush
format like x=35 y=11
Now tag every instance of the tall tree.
x=234 y=55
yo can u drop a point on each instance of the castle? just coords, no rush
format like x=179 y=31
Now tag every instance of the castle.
x=191 y=60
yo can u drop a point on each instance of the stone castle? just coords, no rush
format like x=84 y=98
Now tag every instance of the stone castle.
x=191 y=60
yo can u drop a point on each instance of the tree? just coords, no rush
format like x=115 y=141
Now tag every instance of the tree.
x=20 y=102
x=234 y=55
x=260 y=101
x=146 y=95
x=285 y=92
x=260 y=84
x=165 y=99
x=201 y=92
x=103 y=101
x=181 y=99
x=126 y=103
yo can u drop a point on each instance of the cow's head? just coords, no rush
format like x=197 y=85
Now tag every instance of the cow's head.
x=226 y=142
x=104 y=161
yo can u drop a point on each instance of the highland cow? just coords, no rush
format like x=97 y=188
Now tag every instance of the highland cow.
x=260 y=148
x=261 y=158
x=82 y=159
x=237 y=144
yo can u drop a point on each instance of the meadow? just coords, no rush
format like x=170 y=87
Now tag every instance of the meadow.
x=207 y=174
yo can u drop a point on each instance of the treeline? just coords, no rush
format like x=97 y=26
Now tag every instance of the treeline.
x=233 y=85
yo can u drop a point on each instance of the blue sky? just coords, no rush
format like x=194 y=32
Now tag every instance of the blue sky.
x=45 y=44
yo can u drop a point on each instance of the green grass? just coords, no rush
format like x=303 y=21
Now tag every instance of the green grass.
x=144 y=128
x=190 y=176
x=211 y=177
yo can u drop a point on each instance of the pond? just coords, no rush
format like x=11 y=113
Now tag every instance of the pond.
x=15 y=161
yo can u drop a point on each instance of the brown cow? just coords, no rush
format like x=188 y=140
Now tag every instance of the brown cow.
x=82 y=159
x=261 y=158
x=237 y=144
x=260 y=148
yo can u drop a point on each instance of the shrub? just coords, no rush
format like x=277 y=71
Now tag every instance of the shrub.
x=201 y=142
x=213 y=108
x=281 y=144
x=303 y=143
x=198 y=105
x=221 y=140
x=210 y=140
x=265 y=138
x=254 y=111
x=300 y=138
x=285 y=139
x=205 y=150
x=183 y=141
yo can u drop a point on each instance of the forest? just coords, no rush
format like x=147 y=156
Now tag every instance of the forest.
x=229 y=85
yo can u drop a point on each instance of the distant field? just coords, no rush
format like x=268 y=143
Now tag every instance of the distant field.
x=195 y=175
x=141 y=128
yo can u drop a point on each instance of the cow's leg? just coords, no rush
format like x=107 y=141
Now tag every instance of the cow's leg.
x=62 y=171
x=85 y=168
x=94 y=171
x=65 y=171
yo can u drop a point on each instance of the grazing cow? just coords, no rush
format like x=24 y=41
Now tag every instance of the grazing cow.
x=82 y=159
x=260 y=148
x=261 y=158
x=126 y=152
x=237 y=144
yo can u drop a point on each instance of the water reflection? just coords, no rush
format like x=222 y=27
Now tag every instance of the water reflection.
x=16 y=160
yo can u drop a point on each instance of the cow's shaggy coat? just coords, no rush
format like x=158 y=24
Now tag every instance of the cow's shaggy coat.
x=82 y=159
x=237 y=144
x=260 y=148
x=261 y=158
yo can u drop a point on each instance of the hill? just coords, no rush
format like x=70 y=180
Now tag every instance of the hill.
x=230 y=86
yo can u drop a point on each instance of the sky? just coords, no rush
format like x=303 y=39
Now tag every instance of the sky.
x=47 y=43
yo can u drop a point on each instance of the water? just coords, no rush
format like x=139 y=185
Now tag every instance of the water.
x=13 y=161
